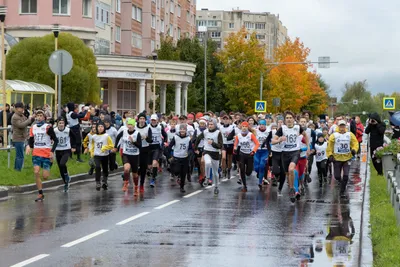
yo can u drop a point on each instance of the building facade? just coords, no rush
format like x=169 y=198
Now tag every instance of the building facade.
x=123 y=35
x=268 y=28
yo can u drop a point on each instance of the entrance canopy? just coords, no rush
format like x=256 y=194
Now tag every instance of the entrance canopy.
x=34 y=94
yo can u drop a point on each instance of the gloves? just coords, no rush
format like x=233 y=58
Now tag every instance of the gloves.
x=353 y=152
x=331 y=158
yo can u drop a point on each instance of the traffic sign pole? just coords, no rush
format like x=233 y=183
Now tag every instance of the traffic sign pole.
x=60 y=84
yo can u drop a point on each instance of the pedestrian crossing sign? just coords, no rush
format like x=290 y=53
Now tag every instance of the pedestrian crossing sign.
x=389 y=103
x=260 y=106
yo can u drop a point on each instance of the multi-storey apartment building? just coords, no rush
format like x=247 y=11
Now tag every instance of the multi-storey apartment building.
x=269 y=29
x=117 y=30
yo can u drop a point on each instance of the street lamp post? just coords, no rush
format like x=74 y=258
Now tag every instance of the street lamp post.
x=3 y=11
x=154 y=54
x=56 y=32
x=205 y=30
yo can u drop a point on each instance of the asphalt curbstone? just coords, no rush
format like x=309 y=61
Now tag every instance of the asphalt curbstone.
x=51 y=183
x=3 y=192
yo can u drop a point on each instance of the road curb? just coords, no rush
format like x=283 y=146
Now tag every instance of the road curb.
x=3 y=192
x=51 y=183
x=366 y=251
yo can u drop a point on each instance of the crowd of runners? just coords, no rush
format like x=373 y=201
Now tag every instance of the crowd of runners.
x=258 y=150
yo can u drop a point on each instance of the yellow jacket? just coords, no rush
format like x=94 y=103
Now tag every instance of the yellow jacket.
x=341 y=157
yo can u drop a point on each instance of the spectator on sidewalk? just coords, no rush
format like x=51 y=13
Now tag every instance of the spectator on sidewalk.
x=376 y=130
x=20 y=124
x=359 y=132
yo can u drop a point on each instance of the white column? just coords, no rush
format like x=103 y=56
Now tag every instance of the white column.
x=178 y=86
x=142 y=97
x=163 y=97
x=184 y=98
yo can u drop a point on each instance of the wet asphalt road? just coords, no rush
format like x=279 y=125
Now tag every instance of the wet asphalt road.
x=256 y=228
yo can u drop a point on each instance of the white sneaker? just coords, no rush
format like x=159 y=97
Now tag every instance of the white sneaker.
x=279 y=193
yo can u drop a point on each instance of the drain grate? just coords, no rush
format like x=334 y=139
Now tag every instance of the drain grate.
x=318 y=201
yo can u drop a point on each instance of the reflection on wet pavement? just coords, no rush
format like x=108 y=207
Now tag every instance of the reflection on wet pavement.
x=233 y=229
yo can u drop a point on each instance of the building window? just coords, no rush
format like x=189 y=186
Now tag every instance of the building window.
x=260 y=36
x=152 y=45
x=97 y=13
x=28 y=6
x=179 y=34
x=137 y=13
x=101 y=46
x=118 y=34
x=162 y=28
x=162 y=3
x=171 y=30
x=136 y=40
x=179 y=11
x=126 y=96
x=188 y=16
x=201 y=23
x=249 y=25
x=215 y=34
x=231 y=25
x=87 y=8
x=212 y=23
x=260 y=26
x=172 y=6
x=60 y=7
x=118 y=6
x=153 y=21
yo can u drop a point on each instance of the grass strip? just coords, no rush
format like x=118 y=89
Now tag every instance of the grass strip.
x=385 y=231
x=10 y=177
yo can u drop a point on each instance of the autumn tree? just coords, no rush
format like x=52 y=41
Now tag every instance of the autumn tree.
x=357 y=91
x=298 y=88
x=190 y=50
x=243 y=61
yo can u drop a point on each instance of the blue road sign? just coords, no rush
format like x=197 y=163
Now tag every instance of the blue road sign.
x=389 y=103
x=260 y=106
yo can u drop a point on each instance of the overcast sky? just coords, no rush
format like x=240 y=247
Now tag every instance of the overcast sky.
x=360 y=34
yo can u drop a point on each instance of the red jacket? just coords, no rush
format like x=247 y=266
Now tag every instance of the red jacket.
x=359 y=132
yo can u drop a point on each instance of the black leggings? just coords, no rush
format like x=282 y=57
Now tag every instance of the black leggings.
x=246 y=166
x=322 y=168
x=62 y=158
x=101 y=164
x=310 y=160
x=181 y=167
x=277 y=168
x=338 y=166
x=143 y=163
x=377 y=163
x=78 y=140
x=112 y=157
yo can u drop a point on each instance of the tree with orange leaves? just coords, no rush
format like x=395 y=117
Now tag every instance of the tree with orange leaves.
x=243 y=59
x=297 y=87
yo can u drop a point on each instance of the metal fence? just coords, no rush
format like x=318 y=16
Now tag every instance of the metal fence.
x=10 y=146
x=393 y=188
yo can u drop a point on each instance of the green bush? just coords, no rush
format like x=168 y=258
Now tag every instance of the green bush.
x=28 y=61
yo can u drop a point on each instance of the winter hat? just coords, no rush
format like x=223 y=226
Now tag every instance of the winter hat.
x=141 y=115
x=131 y=122
x=183 y=126
x=262 y=122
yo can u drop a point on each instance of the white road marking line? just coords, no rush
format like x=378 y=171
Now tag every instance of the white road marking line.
x=224 y=180
x=83 y=239
x=166 y=204
x=210 y=186
x=31 y=260
x=192 y=194
x=132 y=218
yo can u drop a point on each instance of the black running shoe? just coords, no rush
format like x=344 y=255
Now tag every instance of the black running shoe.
x=105 y=186
x=39 y=198
x=292 y=195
